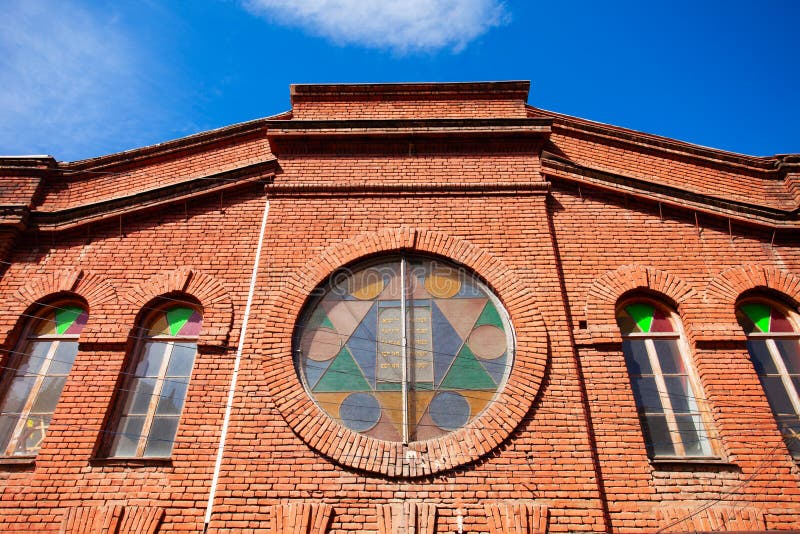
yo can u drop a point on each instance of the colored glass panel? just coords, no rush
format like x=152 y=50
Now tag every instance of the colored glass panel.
x=758 y=315
x=642 y=315
x=349 y=343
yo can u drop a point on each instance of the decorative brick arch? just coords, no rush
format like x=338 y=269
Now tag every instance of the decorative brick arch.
x=212 y=295
x=727 y=287
x=95 y=289
x=470 y=443
x=605 y=292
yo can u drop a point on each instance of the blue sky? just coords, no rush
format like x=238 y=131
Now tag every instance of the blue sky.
x=80 y=79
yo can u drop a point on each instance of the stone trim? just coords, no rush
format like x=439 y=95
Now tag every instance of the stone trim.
x=520 y=517
x=300 y=518
x=212 y=294
x=468 y=444
x=406 y=518
x=605 y=292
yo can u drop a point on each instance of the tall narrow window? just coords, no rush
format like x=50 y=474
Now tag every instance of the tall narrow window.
x=152 y=398
x=773 y=342
x=663 y=381
x=39 y=371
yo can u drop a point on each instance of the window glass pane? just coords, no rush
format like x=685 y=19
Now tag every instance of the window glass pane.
x=680 y=394
x=657 y=436
x=7 y=425
x=759 y=355
x=151 y=360
x=36 y=352
x=32 y=435
x=790 y=351
x=669 y=356
x=776 y=394
x=646 y=393
x=182 y=359
x=162 y=436
x=172 y=394
x=790 y=429
x=139 y=396
x=63 y=358
x=796 y=382
x=636 y=357
x=48 y=395
x=127 y=437
x=693 y=435
x=18 y=394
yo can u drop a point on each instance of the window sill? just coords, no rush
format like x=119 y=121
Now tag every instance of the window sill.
x=667 y=461
x=131 y=462
x=17 y=461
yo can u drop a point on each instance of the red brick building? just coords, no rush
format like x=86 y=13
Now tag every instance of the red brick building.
x=401 y=308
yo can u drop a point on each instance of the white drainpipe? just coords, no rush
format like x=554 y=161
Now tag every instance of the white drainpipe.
x=231 y=391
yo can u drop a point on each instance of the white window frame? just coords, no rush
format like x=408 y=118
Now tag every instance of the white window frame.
x=696 y=402
x=774 y=352
x=28 y=338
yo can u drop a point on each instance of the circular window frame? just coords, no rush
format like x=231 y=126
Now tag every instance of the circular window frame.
x=479 y=436
x=342 y=276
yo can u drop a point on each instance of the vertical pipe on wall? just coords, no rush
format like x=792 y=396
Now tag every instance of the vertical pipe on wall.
x=236 y=365
x=403 y=346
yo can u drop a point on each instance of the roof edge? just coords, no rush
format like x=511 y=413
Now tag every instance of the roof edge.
x=191 y=141
x=512 y=88
x=668 y=144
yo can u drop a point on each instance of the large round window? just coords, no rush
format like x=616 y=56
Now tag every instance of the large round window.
x=404 y=350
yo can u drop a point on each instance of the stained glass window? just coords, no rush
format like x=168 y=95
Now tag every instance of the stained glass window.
x=774 y=346
x=405 y=350
x=663 y=382
x=152 y=398
x=39 y=373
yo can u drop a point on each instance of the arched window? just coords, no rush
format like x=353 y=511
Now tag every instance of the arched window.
x=663 y=380
x=151 y=400
x=773 y=341
x=39 y=369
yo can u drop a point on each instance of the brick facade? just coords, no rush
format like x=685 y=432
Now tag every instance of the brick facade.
x=562 y=218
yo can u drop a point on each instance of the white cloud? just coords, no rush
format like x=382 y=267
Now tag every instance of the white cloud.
x=70 y=84
x=401 y=25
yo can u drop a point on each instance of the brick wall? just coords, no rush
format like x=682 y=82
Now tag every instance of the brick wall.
x=562 y=449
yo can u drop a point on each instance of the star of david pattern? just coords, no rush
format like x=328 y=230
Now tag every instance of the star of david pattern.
x=458 y=346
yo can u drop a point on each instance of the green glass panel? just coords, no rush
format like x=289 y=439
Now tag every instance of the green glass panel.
x=65 y=317
x=343 y=375
x=758 y=313
x=467 y=373
x=642 y=315
x=177 y=318
x=389 y=386
x=490 y=316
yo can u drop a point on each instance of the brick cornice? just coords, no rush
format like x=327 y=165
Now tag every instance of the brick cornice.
x=605 y=292
x=514 y=89
x=753 y=214
x=153 y=198
x=479 y=436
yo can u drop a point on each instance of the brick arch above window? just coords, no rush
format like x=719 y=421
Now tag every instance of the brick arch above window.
x=606 y=291
x=470 y=443
x=724 y=291
x=88 y=286
x=209 y=292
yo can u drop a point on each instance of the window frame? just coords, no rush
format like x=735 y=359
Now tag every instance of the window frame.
x=125 y=390
x=27 y=337
x=711 y=443
x=791 y=391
